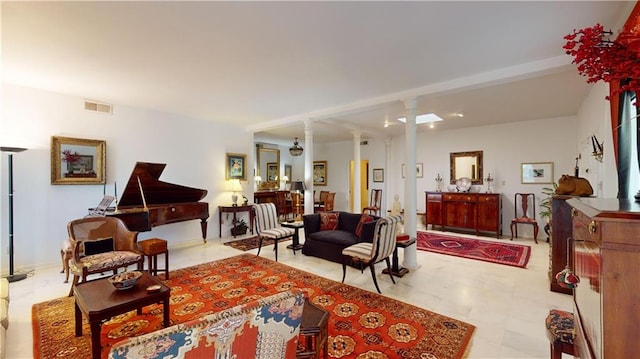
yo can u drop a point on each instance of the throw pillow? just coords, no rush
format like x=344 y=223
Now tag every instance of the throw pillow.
x=99 y=246
x=328 y=221
x=364 y=218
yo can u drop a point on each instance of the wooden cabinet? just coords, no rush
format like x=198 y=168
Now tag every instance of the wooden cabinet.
x=477 y=212
x=561 y=241
x=606 y=238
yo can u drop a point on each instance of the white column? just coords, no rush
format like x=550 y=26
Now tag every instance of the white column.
x=357 y=188
x=388 y=197
x=308 y=166
x=410 y=183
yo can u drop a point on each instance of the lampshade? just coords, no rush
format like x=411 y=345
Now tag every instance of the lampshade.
x=285 y=179
x=234 y=185
x=298 y=186
x=296 y=149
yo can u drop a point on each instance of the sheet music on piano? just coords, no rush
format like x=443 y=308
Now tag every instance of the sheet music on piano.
x=102 y=207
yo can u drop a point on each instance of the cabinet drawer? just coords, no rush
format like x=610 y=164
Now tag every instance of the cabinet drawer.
x=459 y=198
x=487 y=199
x=434 y=198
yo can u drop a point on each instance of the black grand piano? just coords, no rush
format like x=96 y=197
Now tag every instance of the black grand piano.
x=163 y=202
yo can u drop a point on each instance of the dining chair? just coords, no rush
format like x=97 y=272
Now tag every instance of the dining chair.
x=375 y=203
x=267 y=226
x=368 y=254
x=283 y=205
x=523 y=199
x=101 y=244
x=328 y=203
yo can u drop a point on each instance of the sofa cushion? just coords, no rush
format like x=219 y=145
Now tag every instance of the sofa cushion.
x=364 y=218
x=349 y=221
x=329 y=221
x=335 y=237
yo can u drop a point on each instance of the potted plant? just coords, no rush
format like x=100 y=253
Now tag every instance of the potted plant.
x=239 y=227
x=546 y=205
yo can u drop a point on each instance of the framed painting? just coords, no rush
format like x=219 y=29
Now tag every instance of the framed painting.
x=78 y=161
x=272 y=171
x=419 y=170
x=319 y=173
x=236 y=166
x=378 y=175
x=536 y=172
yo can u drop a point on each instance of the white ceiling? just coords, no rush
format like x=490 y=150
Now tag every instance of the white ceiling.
x=344 y=66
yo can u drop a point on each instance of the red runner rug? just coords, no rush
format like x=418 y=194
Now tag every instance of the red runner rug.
x=503 y=253
x=362 y=324
x=247 y=244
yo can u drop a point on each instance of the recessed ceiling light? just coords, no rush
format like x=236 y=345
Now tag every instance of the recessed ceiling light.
x=427 y=118
x=459 y=114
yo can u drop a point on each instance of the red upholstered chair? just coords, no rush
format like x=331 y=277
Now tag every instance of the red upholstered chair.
x=522 y=200
x=375 y=203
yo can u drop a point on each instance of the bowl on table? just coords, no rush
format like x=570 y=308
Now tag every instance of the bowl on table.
x=125 y=280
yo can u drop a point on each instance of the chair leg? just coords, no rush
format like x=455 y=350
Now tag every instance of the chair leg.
x=535 y=232
x=275 y=247
x=259 y=244
x=373 y=275
x=344 y=271
x=73 y=284
x=512 y=225
x=389 y=269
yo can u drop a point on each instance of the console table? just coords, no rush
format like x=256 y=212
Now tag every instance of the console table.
x=479 y=212
x=235 y=210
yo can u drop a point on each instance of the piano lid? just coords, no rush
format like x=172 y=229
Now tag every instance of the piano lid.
x=156 y=191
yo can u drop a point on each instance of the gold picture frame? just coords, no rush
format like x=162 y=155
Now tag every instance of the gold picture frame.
x=236 y=166
x=78 y=161
x=319 y=173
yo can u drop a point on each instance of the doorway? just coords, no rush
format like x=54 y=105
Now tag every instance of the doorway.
x=364 y=184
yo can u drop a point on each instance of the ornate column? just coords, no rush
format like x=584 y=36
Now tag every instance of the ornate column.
x=410 y=183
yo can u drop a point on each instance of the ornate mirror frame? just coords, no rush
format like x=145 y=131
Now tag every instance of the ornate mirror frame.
x=271 y=159
x=473 y=159
x=78 y=161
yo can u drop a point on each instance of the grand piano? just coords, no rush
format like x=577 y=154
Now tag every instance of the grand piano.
x=163 y=203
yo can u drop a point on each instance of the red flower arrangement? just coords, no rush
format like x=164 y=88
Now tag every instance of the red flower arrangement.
x=70 y=157
x=599 y=58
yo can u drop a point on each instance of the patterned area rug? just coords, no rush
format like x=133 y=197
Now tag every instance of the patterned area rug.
x=503 y=253
x=362 y=324
x=247 y=244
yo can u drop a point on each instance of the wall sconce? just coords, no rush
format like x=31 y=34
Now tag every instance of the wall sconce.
x=284 y=181
x=598 y=149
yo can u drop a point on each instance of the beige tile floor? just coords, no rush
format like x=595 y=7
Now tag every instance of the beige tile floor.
x=506 y=304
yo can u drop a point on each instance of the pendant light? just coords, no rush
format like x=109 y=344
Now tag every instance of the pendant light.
x=296 y=149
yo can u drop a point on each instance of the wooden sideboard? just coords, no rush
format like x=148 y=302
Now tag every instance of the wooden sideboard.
x=606 y=237
x=265 y=196
x=480 y=212
x=561 y=241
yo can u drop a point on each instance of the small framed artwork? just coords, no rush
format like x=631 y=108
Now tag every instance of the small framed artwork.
x=378 y=175
x=77 y=161
x=537 y=172
x=319 y=173
x=236 y=166
x=287 y=172
x=419 y=170
x=272 y=171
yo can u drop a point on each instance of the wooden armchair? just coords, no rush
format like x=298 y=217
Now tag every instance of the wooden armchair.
x=101 y=244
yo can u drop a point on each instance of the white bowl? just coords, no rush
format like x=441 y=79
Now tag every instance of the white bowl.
x=125 y=280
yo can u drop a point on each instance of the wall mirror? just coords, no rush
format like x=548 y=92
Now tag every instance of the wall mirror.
x=77 y=161
x=268 y=162
x=466 y=164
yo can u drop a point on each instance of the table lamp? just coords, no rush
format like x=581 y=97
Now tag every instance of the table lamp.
x=235 y=187
x=284 y=180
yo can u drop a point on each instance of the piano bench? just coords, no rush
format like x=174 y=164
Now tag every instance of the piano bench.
x=151 y=248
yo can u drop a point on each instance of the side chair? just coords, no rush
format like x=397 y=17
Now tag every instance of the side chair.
x=383 y=245
x=375 y=203
x=523 y=199
x=101 y=244
x=267 y=226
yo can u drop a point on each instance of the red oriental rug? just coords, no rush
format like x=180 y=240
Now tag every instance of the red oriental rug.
x=247 y=244
x=503 y=253
x=362 y=324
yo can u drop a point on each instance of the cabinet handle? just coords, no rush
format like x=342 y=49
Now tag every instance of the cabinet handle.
x=574 y=212
x=592 y=227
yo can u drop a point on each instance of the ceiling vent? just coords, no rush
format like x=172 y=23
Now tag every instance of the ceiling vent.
x=98 y=107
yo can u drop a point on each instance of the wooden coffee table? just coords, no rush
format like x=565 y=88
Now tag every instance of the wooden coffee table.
x=314 y=331
x=98 y=300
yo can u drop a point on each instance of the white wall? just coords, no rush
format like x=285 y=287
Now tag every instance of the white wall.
x=193 y=150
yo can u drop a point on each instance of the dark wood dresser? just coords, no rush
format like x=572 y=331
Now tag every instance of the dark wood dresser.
x=606 y=237
x=477 y=212
x=561 y=240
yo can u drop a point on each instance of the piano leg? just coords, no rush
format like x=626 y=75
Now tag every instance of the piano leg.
x=203 y=226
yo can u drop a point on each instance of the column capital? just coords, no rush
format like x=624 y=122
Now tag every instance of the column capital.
x=410 y=103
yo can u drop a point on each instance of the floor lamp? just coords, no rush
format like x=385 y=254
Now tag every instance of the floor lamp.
x=11 y=150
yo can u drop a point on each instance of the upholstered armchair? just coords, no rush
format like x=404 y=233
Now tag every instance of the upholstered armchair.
x=368 y=254
x=264 y=328
x=101 y=244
